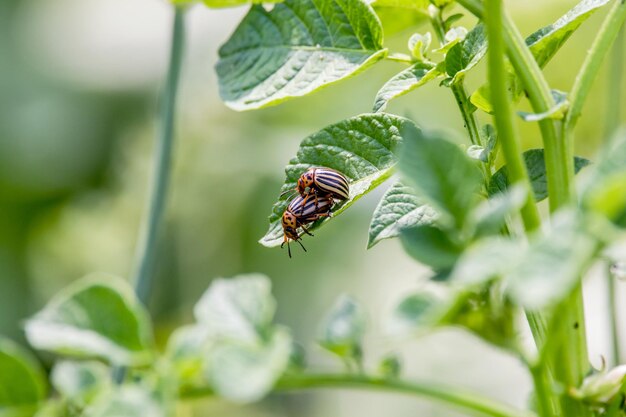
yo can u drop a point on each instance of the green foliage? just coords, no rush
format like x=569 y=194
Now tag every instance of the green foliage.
x=98 y=316
x=127 y=401
x=295 y=49
x=431 y=246
x=406 y=81
x=22 y=381
x=420 y=311
x=536 y=166
x=390 y=366
x=466 y=54
x=343 y=329
x=398 y=209
x=544 y=44
x=490 y=216
x=238 y=309
x=362 y=148
x=240 y=351
x=440 y=172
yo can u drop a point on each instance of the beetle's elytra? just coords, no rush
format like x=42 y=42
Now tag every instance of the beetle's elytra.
x=319 y=181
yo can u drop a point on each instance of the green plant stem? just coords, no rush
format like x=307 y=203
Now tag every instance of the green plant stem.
x=458 y=89
x=398 y=57
x=541 y=380
x=147 y=249
x=613 y=110
x=508 y=135
x=612 y=289
x=559 y=168
x=511 y=149
x=467 y=401
x=588 y=72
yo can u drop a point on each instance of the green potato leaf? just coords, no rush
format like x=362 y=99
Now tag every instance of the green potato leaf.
x=98 y=316
x=362 y=148
x=440 y=172
x=295 y=49
x=466 y=54
x=22 y=381
x=399 y=209
x=406 y=81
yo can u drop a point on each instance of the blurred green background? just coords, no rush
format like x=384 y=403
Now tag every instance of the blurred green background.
x=79 y=82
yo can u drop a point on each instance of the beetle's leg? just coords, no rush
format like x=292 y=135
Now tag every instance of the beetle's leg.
x=305 y=230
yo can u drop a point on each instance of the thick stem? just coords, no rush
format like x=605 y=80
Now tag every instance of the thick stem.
x=147 y=249
x=509 y=138
x=612 y=284
x=469 y=402
x=511 y=149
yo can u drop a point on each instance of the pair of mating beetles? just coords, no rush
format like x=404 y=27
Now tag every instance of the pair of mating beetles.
x=318 y=188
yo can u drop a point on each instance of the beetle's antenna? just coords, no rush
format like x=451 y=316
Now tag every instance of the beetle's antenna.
x=298 y=240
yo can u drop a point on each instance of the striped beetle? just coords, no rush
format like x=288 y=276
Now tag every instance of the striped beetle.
x=299 y=213
x=326 y=182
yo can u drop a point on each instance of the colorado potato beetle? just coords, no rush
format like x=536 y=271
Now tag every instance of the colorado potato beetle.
x=319 y=181
x=300 y=213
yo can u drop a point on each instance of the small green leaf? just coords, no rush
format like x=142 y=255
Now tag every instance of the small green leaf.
x=481 y=98
x=602 y=387
x=453 y=18
x=545 y=42
x=406 y=81
x=555 y=112
x=295 y=49
x=420 y=311
x=489 y=217
x=552 y=265
x=441 y=172
x=343 y=329
x=452 y=37
x=22 y=381
x=240 y=308
x=399 y=209
x=418 y=45
x=80 y=382
x=362 y=148
x=466 y=54
x=127 y=401
x=390 y=366
x=484 y=154
x=98 y=316
x=243 y=372
x=536 y=166
x=431 y=246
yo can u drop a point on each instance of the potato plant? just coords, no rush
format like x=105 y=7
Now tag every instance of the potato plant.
x=466 y=210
